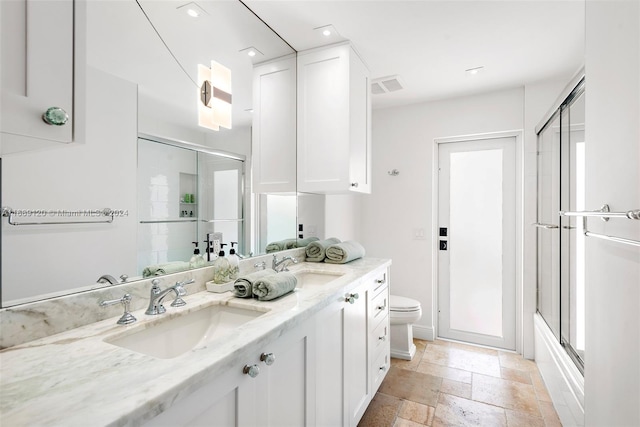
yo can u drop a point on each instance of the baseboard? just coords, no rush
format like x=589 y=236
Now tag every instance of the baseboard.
x=562 y=378
x=424 y=332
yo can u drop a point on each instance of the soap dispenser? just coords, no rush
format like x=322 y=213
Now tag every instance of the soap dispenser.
x=221 y=267
x=234 y=262
x=197 y=260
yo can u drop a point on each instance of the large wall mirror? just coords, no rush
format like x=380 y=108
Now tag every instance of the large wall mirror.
x=138 y=60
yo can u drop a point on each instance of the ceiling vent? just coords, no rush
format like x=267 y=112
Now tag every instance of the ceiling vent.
x=386 y=85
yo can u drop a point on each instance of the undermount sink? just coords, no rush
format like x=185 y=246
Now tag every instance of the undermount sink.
x=174 y=336
x=315 y=278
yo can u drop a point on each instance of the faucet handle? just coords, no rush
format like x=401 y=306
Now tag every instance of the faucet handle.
x=127 y=317
x=262 y=265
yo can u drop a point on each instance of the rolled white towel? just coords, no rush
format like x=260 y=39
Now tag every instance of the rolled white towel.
x=272 y=286
x=316 y=251
x=341 y=253
x=243 y=286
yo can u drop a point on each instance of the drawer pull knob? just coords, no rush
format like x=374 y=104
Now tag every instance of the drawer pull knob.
x=383 y=368
x=268 y=358
x=351 y=298
x=252 y=370
x=382 y=338
x=381 y=307
x=354 y=184
x=381 y=281
x=55 y=116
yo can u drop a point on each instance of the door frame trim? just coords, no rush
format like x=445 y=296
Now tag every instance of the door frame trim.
x=518 y=135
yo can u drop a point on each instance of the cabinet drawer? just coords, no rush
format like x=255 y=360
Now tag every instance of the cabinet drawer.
x=380 y=282
x=379 y=370
x=379 y=307
x=379 y=337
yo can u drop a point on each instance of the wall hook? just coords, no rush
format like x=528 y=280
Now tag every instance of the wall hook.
x=394 y=172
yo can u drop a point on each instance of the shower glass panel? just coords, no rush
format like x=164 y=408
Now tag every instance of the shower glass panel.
x=572 y=253
x=561 y=241
x=548 y=230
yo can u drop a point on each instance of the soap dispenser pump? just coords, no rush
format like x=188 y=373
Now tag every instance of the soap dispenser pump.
x=197 y=260
x=234 y=262
x=221 y=267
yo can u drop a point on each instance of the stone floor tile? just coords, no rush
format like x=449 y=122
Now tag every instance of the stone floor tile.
x=549 y=414
x=417 y=412
x=444 y=372
x=506 y=394
x=456 y=411
x=453 y=357
x=518 y=419
x=401 y=422
x=515 y=361
x=456 y=388
x=382 y=411
x=410 y=385
x=515 y=375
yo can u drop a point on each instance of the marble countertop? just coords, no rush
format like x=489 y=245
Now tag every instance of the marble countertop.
x=76 y=378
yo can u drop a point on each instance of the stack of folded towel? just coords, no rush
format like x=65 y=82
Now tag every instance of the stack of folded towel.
x=166 y=268
x=289 y=244
x=265 y=284
x=333 y=251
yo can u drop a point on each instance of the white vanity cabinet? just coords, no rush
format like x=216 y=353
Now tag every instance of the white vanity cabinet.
x=37 y=71
x=280 y=393
x=274 y=126
x=350 y=353
x=334 y=121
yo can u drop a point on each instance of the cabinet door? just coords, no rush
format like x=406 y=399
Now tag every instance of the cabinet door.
x=323 y=120
x=37 y=67
x=225 y=401
x=285 y=387
x=331 y=401
x=360 y=126
x=356 y=353
x=274 y=126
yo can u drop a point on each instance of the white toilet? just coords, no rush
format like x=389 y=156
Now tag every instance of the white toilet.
x=403 y=312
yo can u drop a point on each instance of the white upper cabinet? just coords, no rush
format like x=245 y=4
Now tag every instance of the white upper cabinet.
x=274 y=126
x=37 y=71
x=334 y=121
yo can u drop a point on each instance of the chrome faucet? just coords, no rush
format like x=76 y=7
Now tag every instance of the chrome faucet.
x=157 y=296
x=107 y=278
x=281 y=263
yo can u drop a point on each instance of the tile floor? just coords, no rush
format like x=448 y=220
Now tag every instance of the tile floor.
x=454 y=384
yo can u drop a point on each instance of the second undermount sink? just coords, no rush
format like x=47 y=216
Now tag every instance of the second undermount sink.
x=315 y=277
x=173 y=336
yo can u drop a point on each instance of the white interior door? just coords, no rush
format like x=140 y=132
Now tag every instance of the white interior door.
x=477 y=261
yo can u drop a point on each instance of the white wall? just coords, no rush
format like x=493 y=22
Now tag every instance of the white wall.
x=612 y=365
x=344 y=218
x=71 y=177
x=401 y=205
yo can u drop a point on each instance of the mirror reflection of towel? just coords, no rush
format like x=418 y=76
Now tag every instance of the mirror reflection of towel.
x=166 y=268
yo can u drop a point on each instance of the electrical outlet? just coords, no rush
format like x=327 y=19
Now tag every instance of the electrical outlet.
x=419 y=234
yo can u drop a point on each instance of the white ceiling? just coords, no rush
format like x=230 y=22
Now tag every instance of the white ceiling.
x=430 y=44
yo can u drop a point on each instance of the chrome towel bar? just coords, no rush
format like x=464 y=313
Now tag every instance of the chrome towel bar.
x=10 y=214
x=604 y=213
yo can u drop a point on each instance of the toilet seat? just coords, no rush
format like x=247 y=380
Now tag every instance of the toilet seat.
x=400 y=304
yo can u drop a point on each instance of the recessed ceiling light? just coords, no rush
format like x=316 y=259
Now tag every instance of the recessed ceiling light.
x=474 y=71
x=327 y=31
x=192 y=9
x=251 y=51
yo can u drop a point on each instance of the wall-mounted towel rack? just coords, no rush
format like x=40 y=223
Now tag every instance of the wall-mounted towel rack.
x=10 y=213
x=604 y=213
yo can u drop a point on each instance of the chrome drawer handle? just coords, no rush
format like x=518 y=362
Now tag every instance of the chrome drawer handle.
x=382 y=338
x=381 y=281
